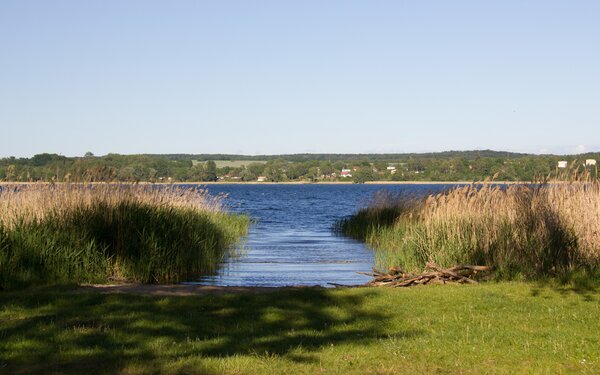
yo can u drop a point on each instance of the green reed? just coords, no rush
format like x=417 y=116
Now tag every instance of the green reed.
x=63 y=234
x=523 y=231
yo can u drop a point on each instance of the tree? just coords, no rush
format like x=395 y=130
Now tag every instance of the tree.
x=247 y=175
x=10 y=172
x=151 y=174
x=296 y=170
x=127 y=174
x=210 y=171
x=274 y=174
x=256 y=169
x=314 y=173
x=139 y=172
x=363 y=175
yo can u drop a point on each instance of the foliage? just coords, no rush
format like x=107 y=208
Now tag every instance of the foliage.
x=443 y=166
x=210 y=171
x=363 y=175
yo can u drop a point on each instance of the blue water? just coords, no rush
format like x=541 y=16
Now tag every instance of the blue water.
x=292 y=242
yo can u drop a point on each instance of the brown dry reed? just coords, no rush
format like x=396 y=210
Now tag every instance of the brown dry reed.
x=34 y=202
x=54 y=233
x=529 y=230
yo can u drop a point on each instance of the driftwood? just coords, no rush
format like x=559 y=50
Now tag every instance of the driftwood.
x=396 y=277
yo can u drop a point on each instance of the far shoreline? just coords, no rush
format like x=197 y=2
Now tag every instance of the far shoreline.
x=345 y=183
x=280 y=183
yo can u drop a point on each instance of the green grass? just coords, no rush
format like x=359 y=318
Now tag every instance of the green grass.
x=493 y=328
x=232 y=163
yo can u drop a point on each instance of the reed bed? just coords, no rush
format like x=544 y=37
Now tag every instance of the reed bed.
x=53 y=233
x=522 y=230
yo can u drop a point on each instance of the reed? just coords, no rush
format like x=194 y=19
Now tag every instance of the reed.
x=522 y=230
x=93 y=233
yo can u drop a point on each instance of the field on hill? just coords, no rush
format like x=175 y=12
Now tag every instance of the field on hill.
x=231 y=163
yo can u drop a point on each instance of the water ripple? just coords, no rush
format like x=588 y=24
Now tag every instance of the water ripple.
x=291 y=242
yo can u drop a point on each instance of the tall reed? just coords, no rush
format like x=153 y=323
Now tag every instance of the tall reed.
x=528 y=230
x=96 y=232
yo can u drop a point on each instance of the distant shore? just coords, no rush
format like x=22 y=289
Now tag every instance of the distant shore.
x=349 y=183
x=294 y=183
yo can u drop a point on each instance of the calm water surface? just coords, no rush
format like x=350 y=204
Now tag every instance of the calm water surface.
x=291 y=242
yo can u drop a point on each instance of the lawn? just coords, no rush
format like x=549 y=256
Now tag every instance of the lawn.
x=508 y=327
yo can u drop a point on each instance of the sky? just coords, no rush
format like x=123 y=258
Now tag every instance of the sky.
x=274 y=77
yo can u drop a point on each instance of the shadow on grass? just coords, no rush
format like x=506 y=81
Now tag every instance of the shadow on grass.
x=95 y=333
x=583 y=283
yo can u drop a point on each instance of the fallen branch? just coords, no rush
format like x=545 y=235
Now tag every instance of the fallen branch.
x=397 y=278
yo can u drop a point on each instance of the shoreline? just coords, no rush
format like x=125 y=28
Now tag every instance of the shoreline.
x=385 y=182
x=3 y=183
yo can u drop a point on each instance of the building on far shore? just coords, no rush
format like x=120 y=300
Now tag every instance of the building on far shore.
x=261 y=179
x=590 y=162
x=346 y=173
x=562 y=164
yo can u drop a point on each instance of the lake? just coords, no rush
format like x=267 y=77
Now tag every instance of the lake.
x=291 y=241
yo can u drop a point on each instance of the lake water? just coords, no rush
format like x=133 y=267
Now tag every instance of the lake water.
x=292 y=242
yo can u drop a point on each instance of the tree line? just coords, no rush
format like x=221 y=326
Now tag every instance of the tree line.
x=443 y=166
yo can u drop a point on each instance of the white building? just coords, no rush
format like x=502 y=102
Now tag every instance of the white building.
x=562 y=164
x=346 y=173
x=590 y=162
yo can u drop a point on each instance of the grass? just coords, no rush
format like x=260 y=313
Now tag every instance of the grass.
x=527 y=231
x=232 y=163
x=92 y=233
x=502 y=328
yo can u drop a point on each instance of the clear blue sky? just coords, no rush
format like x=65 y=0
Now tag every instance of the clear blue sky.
x=266 y=77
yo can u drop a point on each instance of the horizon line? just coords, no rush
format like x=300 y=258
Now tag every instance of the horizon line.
x=304 y=153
